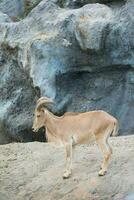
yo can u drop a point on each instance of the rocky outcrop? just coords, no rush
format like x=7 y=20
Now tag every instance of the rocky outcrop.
x=82 y=58
x=34 y=171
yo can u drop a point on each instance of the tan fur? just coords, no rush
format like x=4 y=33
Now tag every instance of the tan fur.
x=77 y=128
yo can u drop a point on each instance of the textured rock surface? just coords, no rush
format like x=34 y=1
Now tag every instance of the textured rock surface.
x=82 y=58
x=4 y=18
x=17 y=99
x=14 y=8
x=34 y=171
x=17 y=9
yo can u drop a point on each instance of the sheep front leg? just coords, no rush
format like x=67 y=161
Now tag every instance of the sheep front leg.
x=68 y=169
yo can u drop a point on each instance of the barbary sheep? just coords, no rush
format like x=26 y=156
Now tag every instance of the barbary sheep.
x=76 y=128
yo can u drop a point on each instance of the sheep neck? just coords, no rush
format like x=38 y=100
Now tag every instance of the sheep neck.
x=50 y=121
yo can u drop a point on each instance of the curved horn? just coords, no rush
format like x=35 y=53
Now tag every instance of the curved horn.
x=42 y=101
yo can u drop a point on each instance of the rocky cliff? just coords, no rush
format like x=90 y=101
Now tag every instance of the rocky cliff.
x=79 y=53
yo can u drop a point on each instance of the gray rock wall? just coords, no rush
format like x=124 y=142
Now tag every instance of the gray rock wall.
x=81 y=58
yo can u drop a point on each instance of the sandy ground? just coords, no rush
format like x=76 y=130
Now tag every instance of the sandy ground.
x=33 y=171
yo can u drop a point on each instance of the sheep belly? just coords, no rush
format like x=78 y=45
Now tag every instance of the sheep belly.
x=84 y=138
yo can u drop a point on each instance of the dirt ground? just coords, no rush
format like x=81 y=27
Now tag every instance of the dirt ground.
x=33 y=171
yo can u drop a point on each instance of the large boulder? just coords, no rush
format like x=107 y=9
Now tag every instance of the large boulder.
x=81 y=58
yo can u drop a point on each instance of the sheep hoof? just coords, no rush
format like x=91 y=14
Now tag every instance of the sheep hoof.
x=102 y=172
x=66 y=174
x=65 y=177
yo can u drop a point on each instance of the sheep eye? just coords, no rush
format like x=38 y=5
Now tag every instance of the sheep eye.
x=38 y=115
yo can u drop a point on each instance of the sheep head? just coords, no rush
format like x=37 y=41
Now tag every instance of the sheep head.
x=39 y=115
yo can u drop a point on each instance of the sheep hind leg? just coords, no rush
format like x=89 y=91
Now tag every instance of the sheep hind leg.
x=108 y=145
x=68 y=169
x=106 y=150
